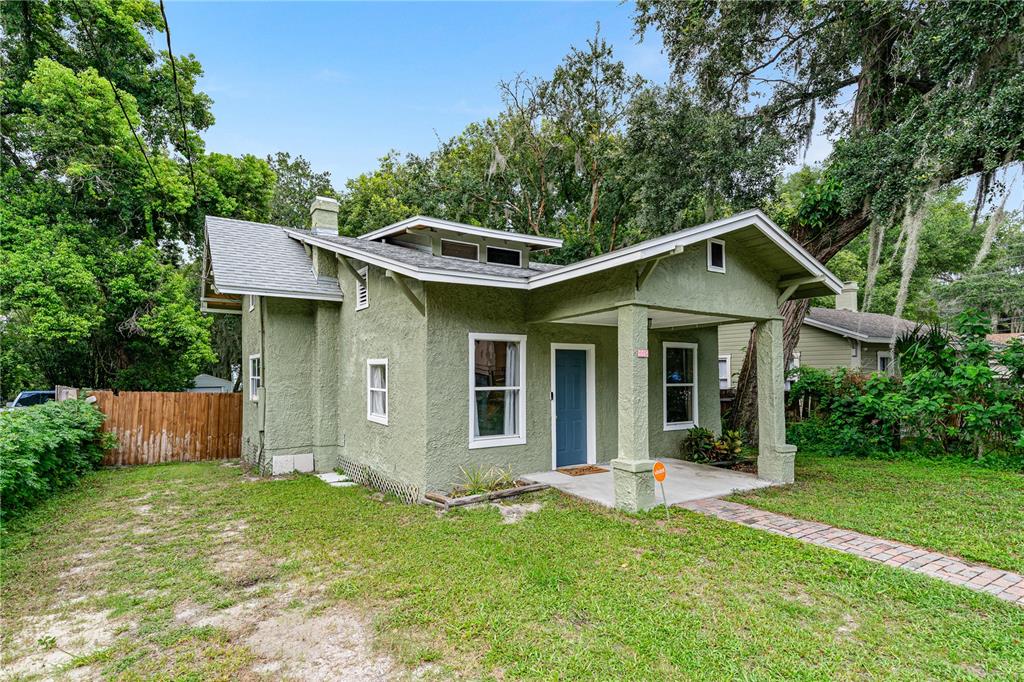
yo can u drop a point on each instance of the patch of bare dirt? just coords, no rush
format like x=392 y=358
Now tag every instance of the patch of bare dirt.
x=514 y=513
x=46 y=644
x=331 y=645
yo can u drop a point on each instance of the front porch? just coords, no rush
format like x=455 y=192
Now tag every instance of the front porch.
x=657 y=399
x=684 y=482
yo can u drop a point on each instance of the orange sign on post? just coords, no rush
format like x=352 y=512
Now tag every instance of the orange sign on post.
x=659 y=475
x=659 y=472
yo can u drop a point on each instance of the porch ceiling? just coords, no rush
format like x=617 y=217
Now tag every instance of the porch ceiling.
x=660 y=319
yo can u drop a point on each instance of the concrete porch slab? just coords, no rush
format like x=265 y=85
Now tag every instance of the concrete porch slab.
x=684 y=482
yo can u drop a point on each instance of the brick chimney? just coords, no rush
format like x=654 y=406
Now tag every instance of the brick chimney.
x=847 y=298
x=323 y=216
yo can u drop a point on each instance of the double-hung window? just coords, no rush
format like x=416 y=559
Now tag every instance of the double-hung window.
x=679 y=374
x=884 y=361
x=724 y=372
x=497 y=400
x=377 y=390
x=255 y=376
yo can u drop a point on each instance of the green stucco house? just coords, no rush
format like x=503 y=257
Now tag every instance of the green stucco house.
x=427 y=346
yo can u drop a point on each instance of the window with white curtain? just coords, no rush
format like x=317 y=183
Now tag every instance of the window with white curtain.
x=497 y=374
x=377 y=390
x=679 y=372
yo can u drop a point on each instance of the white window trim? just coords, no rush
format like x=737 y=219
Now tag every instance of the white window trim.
x=878 y=360
x=728 y=372
x=715 y=268
x=677 y=426
x=254 y=392
x=497 y=441
x=476 y=246
x=487 y=255
x=364 y=272
x=794 y=363
x=380 y=419
x=591 y=401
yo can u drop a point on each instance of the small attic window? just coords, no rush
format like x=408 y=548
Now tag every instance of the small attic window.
x=716 y=255
x=455 y=249
x=500 y=256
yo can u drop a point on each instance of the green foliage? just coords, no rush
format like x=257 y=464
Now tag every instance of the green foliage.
x=702 y=445
x=948 y=401
x=100 y=210
x=477 y=480
x=296 y=184
x=46 y=448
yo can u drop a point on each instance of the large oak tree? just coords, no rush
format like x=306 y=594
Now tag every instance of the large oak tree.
x=916 y=95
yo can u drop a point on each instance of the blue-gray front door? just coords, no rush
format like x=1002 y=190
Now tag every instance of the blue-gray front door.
x=570 y=407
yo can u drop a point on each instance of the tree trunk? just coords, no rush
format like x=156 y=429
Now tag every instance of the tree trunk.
x=827 y=243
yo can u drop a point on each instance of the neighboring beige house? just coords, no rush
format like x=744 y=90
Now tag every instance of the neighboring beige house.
x=839 y=337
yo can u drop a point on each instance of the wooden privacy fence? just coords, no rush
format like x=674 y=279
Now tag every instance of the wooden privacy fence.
x=171 y=427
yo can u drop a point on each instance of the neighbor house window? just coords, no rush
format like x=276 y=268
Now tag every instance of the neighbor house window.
x=496 y=254
x=794 y=364
x=377 y=390
x=497 y=374
x=854 y=348
x=724 y=371
x=679 y=371
x=362 y=293
x=884 y=361
x=456 y=249
x=716 y=255
x=255 y=377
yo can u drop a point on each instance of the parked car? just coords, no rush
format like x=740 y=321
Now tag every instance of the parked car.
x=29 y=398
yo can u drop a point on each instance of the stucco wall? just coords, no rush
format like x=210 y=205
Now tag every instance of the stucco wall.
x=454 y=312
x=389 y=328
x=288 y=353
x=666 y=443
x=250 y=410
x=288 y=358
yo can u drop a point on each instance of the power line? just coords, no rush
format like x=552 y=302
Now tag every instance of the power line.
x=181 y=108
x=117 y=96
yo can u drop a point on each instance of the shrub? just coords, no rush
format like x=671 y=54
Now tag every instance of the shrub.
x=949 y=400
x=480 y=480
x=701 y=445
x=46 y=448
x=698 y=445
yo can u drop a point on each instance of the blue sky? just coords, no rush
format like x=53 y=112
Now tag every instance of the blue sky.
x=342 y=83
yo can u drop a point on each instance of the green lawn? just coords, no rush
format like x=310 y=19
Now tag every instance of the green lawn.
x=972 y=512
x=192 y=563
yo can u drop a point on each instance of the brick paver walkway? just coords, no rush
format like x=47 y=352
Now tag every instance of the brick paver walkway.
x=1003 y=584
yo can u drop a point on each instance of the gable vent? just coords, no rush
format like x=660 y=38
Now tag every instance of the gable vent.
x=362 y=294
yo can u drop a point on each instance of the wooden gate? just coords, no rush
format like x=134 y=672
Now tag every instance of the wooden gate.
x=156 y=427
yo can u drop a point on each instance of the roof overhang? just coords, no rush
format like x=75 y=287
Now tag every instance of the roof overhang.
x=537 y=243
x=816 y=281
x=848 y=333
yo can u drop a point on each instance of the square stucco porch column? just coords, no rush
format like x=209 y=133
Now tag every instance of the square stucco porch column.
x=634 y=483
x=774 y=456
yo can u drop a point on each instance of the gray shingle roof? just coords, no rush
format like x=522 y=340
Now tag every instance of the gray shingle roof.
x=867 y=325
x=257 y=258
x=421 y=259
